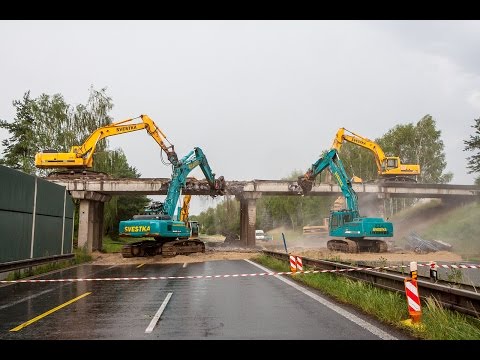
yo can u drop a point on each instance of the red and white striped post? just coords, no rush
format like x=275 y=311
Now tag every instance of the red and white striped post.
x=433 y=271
x=293 y=263
x=411 y=291
x=299 y=264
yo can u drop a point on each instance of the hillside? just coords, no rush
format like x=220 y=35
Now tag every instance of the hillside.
x=435 y=220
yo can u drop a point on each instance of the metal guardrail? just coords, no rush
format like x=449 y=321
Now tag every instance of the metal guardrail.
x=22 y=264
x=464 y=301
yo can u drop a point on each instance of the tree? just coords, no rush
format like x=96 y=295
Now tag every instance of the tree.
x=48 y=122
x=21 y=147
x=473 y=144
x=420 y=144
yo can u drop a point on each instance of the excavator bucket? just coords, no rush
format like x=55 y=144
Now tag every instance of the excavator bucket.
x=220 y=185
x=305 y=183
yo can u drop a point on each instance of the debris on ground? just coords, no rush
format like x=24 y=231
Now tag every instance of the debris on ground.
x=419 y=245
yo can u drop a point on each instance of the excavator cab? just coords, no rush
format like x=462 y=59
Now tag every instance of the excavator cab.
x=390 y=163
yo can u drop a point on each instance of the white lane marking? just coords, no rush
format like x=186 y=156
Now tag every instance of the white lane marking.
x=184 y=265
x=25 y=299
x=364 y=324
x=158 y=314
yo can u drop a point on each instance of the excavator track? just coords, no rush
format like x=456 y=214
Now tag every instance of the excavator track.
x=183 y=247
x=141 y=248
x=383 y=247
x=356 y=246
x=348 y=246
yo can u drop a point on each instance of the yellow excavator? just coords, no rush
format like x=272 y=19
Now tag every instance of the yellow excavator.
x=80 y=158
x=193 y=225
x=389 y=168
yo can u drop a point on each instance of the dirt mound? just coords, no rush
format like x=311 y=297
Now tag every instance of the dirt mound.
x=209 y=255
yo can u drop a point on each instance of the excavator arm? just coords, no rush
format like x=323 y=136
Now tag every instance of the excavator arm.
x=185 y=208
x=189 y=162
x=332 y=161
x=351 y=137
x=81 y=157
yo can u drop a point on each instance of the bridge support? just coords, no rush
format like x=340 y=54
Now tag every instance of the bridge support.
x=248 y=217
x=90 y=224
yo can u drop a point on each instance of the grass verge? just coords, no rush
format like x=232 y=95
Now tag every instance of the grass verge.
x=81 y=256
x=388 y=307
x=115 y=246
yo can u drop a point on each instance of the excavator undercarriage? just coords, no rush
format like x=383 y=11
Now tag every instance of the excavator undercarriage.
x=357 y=245
x=166 y=249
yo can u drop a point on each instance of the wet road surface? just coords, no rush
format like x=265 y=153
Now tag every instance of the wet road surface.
x=258 y=307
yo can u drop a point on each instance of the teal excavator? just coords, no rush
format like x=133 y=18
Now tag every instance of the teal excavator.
x=162 y=221
x=360 y=234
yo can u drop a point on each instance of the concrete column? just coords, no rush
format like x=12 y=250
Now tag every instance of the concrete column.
x=85 y=234
x=101 y=207
x=97 y=223
x=90 y=224
x=248 y=216
x=243 y=222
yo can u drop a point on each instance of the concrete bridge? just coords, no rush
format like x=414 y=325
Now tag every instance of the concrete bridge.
x=94 y=192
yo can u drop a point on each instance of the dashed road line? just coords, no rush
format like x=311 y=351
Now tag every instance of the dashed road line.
x=155 y=319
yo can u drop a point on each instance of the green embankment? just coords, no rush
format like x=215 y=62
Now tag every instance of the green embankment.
x=457 y=226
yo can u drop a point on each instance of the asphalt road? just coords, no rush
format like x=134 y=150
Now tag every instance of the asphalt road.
x=253 y=307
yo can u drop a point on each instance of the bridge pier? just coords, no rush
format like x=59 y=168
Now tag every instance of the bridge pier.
x=248 y=217
x=90 y=223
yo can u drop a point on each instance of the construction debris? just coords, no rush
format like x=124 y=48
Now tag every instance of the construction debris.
x=422 y=246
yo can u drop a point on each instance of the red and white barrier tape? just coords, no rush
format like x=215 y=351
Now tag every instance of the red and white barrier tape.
x=226 y=276
x=453 y=266
x=189 y=277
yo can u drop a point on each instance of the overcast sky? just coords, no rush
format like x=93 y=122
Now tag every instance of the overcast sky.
x=261 y=98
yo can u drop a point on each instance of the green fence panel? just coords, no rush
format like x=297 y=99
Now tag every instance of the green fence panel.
x=17 y=190
x=15 y=236
x=69 y=207
x=17 y=204
x=50 y=198
x=48 y=236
